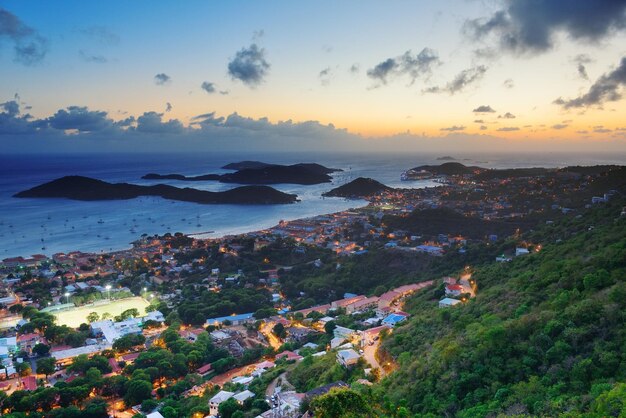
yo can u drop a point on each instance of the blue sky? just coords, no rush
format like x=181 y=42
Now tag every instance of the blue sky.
x=320 y=60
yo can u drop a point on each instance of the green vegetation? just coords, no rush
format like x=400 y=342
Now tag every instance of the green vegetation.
x=544 y=336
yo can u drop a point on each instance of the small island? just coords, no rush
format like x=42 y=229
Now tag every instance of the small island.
x=89 y=189
x=256 y=172
x=358 y=188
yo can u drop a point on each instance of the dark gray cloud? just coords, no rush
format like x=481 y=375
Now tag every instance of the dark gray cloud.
x=484 y=109
x=168 y=107
x=507 y=115
x=325 y=75
x=12 y=121
x=461 y=81
x=508 y=83
x=162 y=79
x=87 y=57
x=479 y=121
x=208 y=87
x=152 y=122
x=354 y=68
x=531 y=26
x=581 y=60
x=81 y=119
x=559 y=126
x=508 y=129
x=453 y=128
x=604 y=89
x=249 y=66
x=100 y=34
x=483 y=128
x=415 y=66
x=601 y=129
x=29 y=47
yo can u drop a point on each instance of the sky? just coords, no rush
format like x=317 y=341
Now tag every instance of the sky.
x=340 y=75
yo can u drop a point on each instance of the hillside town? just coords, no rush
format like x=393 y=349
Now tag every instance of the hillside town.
x=229 y=320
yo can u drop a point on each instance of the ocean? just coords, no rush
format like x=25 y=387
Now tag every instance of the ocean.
x=48 y=226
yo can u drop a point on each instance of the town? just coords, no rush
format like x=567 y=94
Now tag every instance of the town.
x=260 y=324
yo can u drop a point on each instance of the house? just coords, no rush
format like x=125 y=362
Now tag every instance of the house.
x=322 y=390
x=368 y=336
x=521 y=251
x=343 y=332
x=155 y=414
x=348 y=357
x=429 y=249
x=362 y=304
x=447 y=302
x=243 y=380
x=454 y=289
x=204 y=370
x=219 y=336
x=289 y=355
x=387 y=298
x=215 y=401
x=241 y=397
x=264 y=365
x=29 y=383
x=395 y=318
x=343 y=303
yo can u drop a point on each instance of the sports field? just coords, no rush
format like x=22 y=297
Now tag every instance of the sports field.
x=74 y=317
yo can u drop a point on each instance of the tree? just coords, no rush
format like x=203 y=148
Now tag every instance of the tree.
x=93 y=317
x=279 y=330
x=126 y=342
x=330 y=327
x=340 y=402
x=23 y=369
x=138 y=391
x=228 y=408
x=46 y=366
x=41 y=349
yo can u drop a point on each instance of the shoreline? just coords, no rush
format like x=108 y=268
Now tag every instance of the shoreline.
x=197 y=235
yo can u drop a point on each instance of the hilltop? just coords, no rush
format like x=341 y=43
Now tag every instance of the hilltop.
x=85 y=188
x=360 y=187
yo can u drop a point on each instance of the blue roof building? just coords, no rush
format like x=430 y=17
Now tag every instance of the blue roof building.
x=233 y=319
x=393 y=319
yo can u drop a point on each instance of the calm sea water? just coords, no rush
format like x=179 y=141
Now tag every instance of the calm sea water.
x=30 y=226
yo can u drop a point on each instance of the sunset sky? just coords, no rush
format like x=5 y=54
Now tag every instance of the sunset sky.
x=79 y=75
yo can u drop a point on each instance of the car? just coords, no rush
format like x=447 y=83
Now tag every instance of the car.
x=361 y=352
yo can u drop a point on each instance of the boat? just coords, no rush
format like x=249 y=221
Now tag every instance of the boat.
x=413 y=174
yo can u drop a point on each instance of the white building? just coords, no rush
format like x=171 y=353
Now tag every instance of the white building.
x=215 y=401
x=447 y=302
x=347 y=357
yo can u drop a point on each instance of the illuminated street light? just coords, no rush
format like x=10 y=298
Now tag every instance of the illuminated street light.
x=67 y=296
x=108 y=288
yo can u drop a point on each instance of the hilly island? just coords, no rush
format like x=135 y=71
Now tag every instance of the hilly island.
x=255 y=172
x=84 y=188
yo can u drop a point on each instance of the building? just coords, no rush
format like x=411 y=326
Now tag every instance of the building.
x=348 y=357
x=343 y=332
x=215 y=401
x=241 y=397
x=395 y=318
x=454 y=289
x=447 y=302
x=233 y=319
x=368 y=336
x=362 y=304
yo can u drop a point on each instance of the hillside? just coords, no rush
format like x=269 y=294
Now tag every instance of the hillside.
x=85 y=188
x=360 y=187
x=435 y=221
x=544 y=336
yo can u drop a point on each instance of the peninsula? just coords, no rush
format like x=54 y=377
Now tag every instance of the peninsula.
x=360 y=187
x=89 y=189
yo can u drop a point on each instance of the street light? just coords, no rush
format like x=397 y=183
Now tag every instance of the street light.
x=108 y=288
x=67 y=296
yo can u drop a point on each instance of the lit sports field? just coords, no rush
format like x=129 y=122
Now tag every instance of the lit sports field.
x=74 y=317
